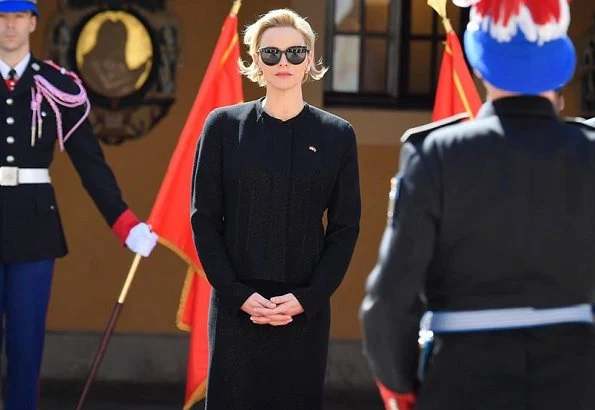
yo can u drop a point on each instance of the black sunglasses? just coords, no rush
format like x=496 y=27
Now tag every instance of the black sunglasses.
x=272 y=55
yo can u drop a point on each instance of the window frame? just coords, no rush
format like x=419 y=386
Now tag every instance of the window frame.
x=398 y=36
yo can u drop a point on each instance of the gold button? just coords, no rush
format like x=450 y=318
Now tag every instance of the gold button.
x=9 y=101
x=10 y=158
x=10 y=140
x=10 y=120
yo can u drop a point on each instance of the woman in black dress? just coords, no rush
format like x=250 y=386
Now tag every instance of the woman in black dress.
x=265 y=173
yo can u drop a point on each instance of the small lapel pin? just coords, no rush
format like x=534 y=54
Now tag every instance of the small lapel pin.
x=312 y=148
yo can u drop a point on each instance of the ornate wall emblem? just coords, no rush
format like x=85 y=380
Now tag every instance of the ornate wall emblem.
x=587 y=74
x=126 y=52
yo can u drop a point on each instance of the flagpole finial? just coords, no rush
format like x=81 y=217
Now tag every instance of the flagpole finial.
x=235 y=8
x=439 y=6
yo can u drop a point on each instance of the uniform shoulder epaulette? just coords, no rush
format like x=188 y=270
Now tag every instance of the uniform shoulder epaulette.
x=53 y=67
x=60 y=80
x=573 y=120
x=581 y=122
x=419 y=133
x=63 y=90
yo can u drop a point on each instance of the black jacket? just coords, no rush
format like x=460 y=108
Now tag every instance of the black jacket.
x=494 y=213
x=30 y=227
x=261 y=187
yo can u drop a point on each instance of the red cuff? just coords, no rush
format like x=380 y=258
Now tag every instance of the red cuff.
x=392 y=400
x=124 y=224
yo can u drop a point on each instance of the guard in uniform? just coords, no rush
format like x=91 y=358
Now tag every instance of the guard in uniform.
x=41 y=105
x=491 y=234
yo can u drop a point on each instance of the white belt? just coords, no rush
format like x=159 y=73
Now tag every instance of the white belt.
x=499 y=319
x=13 y=176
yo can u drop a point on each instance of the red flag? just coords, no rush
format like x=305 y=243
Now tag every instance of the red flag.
x=456 y=92
x=170 y=217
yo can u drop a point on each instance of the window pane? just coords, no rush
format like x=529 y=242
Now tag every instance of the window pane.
x=421 y=17
x=347 y=15
x=420 y=60
x=345 y=66
x=375 y=65
x=377 y=15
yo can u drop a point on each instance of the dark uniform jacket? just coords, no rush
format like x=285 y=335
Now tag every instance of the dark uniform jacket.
x=497 y=212
x=30 y=227
x=260 y=190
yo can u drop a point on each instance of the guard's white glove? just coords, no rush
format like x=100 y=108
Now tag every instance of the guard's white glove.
x=141 y=240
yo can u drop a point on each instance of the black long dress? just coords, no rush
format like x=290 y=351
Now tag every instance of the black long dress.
x=260 y=190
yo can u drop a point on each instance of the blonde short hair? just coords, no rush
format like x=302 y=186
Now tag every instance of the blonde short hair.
x=278 y=18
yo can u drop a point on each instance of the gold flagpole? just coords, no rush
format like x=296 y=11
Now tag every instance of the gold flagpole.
x=235 y=8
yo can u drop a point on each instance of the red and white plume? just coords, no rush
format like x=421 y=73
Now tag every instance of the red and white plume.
x=539 y=20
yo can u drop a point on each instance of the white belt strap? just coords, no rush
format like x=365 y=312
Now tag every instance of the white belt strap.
x=500 y=319
x=12 y=176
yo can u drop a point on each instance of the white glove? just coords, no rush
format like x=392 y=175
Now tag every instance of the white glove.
x=141 y=240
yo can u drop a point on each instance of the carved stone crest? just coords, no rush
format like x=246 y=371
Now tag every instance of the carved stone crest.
x=126 y=52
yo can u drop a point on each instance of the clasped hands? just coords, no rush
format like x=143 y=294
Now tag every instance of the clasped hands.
x=278 y=311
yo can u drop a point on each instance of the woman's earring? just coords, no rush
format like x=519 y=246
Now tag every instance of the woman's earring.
x=306 y=75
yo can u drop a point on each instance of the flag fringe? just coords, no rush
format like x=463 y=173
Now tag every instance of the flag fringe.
x=199 y=393
x=181 y=254
x=193 y=269
x=183 y=297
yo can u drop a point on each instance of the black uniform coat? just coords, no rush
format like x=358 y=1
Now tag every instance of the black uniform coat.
x=260 y=189
x=497 y=212
x=30 y=227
